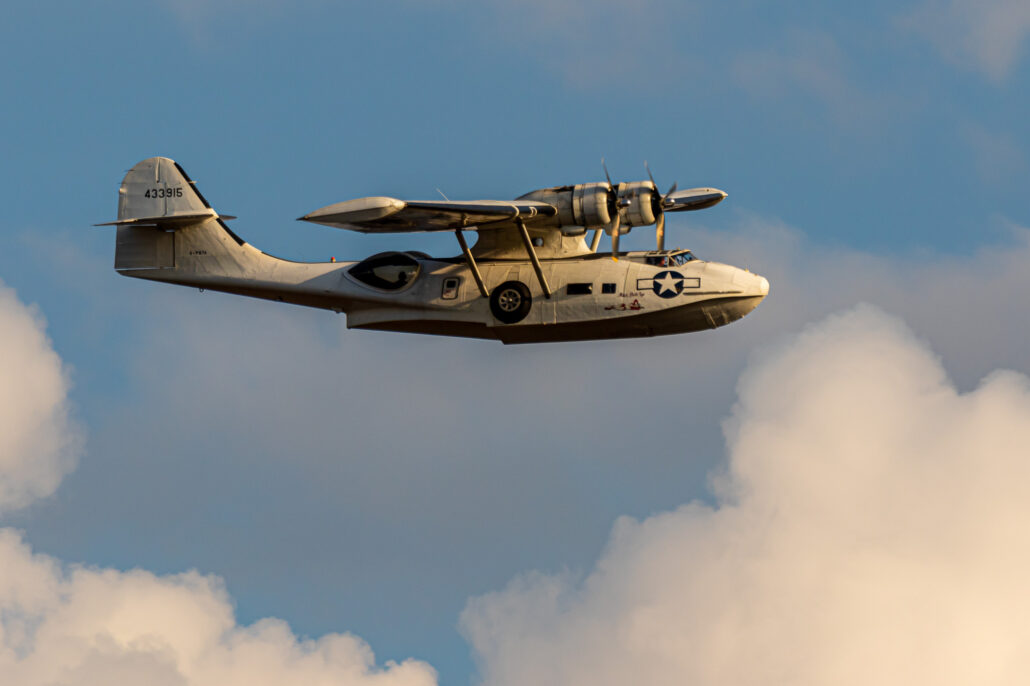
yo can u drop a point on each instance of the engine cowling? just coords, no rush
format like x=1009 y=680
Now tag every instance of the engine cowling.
x=580 y=207
x=592 y=205
x=644 y=203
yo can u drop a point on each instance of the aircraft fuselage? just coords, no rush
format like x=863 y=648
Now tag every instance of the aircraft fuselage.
x=592 y=296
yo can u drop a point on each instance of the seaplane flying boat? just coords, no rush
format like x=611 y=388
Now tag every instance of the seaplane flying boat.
x=530 y=277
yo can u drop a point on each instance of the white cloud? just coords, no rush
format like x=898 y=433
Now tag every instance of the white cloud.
x=38 y=442
x=952 y=299
x=83 y=626
x=986 y=35
x=871 y=528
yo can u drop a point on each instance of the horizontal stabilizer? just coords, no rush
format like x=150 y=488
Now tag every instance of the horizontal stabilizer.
x=157 y=192
x=172 y=221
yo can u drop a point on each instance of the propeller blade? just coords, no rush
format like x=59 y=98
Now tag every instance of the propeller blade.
x=672 y=189
x=606 y=175
x=649 y=175
x=615 y=238
x=660 y=231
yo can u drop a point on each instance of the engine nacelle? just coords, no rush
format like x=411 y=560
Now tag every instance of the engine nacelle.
x=580 y=207
x=644 y=203
x=591 y=205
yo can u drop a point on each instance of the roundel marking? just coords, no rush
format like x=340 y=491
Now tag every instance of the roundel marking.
x=668 y=284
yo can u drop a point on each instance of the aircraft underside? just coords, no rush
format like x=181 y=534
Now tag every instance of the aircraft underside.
x=682 y=319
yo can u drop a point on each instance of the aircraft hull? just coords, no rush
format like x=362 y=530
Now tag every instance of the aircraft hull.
x=634 y=310
x=683 y=319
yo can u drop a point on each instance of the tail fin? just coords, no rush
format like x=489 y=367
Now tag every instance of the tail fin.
x=155 y=199
x=157 y=191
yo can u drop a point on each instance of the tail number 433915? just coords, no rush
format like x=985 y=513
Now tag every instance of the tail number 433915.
x=164 y=192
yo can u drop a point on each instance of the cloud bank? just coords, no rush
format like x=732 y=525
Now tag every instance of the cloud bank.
x=871 y=528
x=84 y=626
x=79 y=626
x=950 y=299
x=38 y=441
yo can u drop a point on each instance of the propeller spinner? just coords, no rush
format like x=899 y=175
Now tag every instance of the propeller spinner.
x=682 y=201
x=652 y=205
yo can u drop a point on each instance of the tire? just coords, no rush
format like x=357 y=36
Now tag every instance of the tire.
x=510 y=302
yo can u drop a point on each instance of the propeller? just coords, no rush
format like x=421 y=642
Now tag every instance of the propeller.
x=658 y=208
x=613 y=205
x=661 y=203
x=615 y=237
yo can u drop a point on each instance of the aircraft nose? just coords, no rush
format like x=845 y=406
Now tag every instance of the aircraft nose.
x=752 y=284
x=751 y=288
x=763 y=286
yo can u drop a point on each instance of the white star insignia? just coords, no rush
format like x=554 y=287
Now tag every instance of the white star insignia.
x=667 y=283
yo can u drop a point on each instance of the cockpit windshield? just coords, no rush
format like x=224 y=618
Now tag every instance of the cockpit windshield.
x=677 y=260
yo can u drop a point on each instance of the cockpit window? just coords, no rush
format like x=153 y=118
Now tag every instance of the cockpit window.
x=677 y=260
x=389 y=271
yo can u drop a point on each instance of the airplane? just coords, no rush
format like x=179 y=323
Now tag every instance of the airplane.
x=530 y=277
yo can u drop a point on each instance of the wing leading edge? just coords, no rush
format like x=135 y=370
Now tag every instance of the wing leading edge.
x=389 y=215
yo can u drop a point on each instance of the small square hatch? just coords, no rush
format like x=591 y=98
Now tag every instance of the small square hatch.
x=450 y=288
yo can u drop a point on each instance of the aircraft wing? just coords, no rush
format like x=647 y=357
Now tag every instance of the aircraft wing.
x=390 y=215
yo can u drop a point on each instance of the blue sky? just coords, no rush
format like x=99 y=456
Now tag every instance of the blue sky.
x=373 y=483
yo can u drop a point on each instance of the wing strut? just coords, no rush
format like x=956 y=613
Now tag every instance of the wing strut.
x=533 y=258
x=596 y=240
x=471 y=263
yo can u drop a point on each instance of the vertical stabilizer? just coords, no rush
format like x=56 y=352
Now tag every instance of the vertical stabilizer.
x=158 y=188
x=164 y=221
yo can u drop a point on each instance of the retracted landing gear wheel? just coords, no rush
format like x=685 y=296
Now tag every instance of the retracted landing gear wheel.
x=510 y=302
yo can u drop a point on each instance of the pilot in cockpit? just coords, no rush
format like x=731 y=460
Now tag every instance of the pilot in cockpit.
x=677 y=260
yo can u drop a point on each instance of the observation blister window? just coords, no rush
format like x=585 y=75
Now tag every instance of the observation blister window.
x=388 y=271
